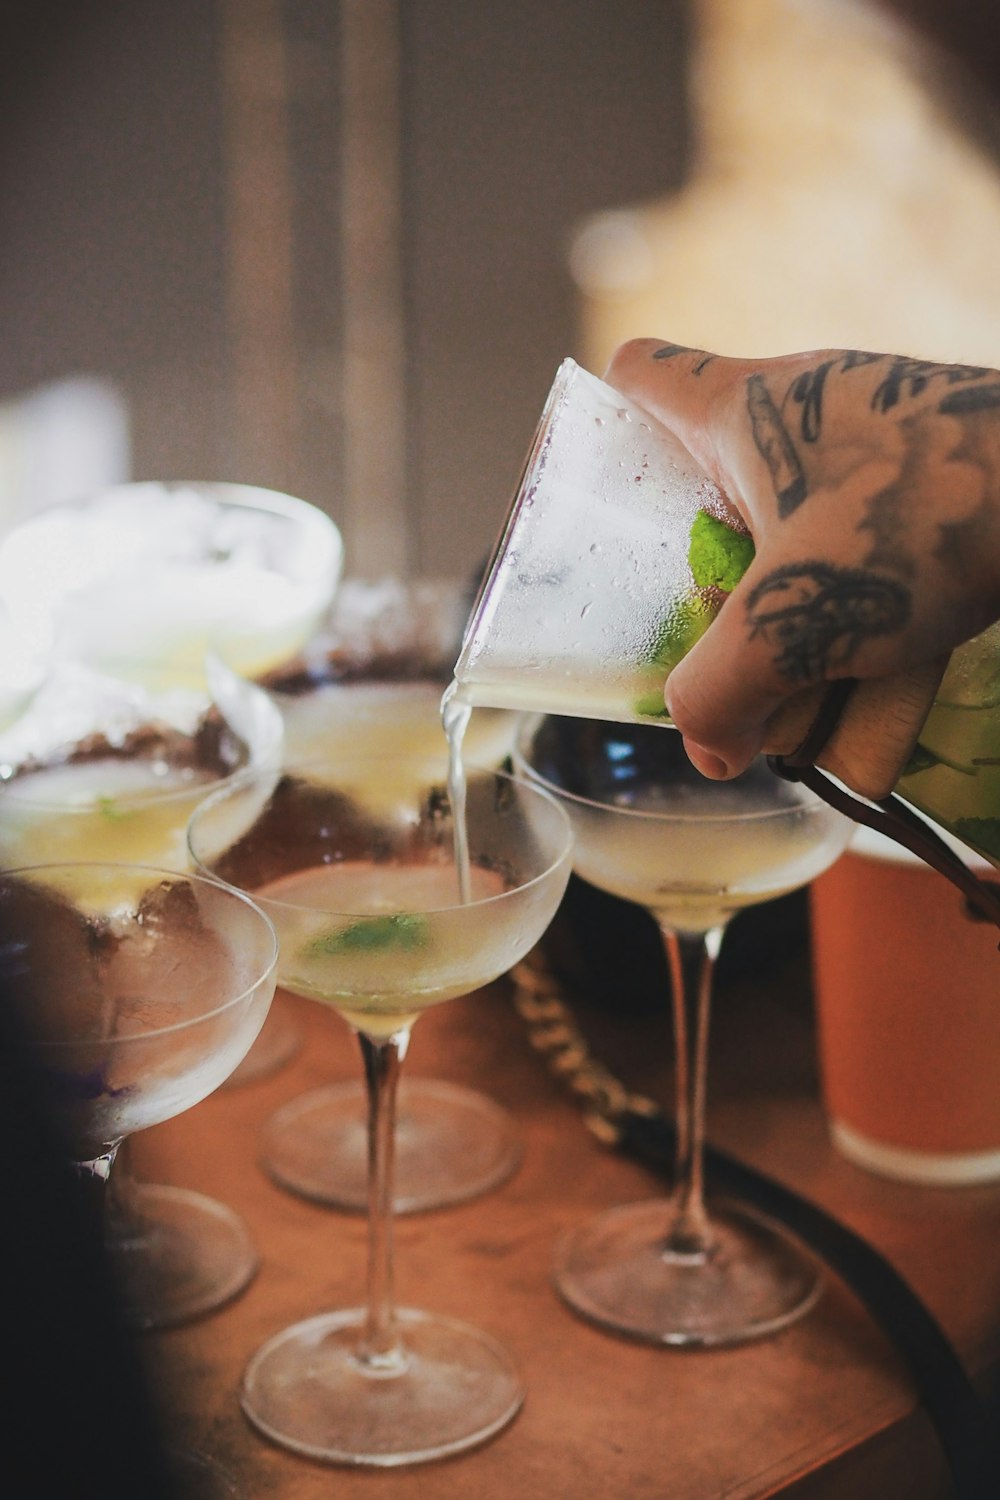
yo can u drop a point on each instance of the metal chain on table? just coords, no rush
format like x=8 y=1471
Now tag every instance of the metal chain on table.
x=539 y=1001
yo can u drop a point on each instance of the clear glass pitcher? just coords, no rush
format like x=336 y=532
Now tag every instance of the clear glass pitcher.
x=616 y=555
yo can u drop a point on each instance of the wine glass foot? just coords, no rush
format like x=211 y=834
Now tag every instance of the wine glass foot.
x=177 y=1254
x=195 y=1476
x=452 y=1144
x=614 y=1270
x=308 y=1390
x=278 y=1040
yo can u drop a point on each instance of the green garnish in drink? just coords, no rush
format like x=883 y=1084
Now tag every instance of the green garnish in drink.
x=718 y=556
x=372 y=935
x=108 y=808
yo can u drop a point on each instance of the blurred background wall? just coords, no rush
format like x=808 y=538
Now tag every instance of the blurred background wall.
x=322 y=244
x=340 y=246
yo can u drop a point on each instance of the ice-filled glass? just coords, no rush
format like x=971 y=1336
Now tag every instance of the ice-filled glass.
x=159 y=573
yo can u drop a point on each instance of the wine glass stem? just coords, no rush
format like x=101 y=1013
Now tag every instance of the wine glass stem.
x=94 y=1177
x=381 y=1349
x=119 y=1201
x=691 y=957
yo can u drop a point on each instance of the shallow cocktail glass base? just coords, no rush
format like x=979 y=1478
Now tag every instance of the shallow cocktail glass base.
x=195 y=1476
x=178 y=1254
x=451 y=1144
x=453 y=1388
x=755 y=1279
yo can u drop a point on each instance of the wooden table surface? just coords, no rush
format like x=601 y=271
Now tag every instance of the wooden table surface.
x=822 y=1409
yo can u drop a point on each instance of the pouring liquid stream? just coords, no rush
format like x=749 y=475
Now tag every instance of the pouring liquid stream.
x=455 y=716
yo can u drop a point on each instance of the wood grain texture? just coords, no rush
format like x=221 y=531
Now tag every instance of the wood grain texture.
x=822 y=1409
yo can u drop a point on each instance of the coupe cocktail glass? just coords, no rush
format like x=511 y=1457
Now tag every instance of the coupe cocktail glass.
x=149 y=582
x=649 y=829
x=138 y=991
x=369 y=683
x=355 y=863
x=99 y=768
x=160 y=573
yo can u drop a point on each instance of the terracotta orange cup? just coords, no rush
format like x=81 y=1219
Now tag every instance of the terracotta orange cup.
x=908 y=1015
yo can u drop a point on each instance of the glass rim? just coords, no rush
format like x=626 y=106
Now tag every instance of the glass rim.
x=131 y=801
x=808 y=803
x=564 y=856
x=164 y=873
x=224 y=491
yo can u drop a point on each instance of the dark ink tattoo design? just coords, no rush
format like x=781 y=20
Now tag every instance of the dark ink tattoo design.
x=909 y=378
x=667 y=351
x=807 y=390
x=775 y=447
x=815 y=615
x=857 y=359
x=887 y=517
x=889 y=514
x=958 y=541
x=977 y=398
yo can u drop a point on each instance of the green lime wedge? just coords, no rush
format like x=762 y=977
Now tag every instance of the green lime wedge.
x=717 y=554
x=372 y=935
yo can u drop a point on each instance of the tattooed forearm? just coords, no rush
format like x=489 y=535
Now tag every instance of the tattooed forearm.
x=775 y=447
x=815 y=616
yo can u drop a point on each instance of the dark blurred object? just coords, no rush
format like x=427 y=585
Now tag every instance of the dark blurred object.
x=965 y=30
x=386 y=631
x=957 y=59
x=78 y=1412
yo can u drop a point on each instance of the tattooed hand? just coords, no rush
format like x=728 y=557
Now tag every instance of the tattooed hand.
x=871 y=484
